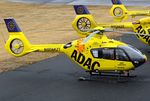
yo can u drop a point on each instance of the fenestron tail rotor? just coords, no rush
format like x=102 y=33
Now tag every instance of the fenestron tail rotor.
x=16 y=46
x=83 y=24
x=83 y=21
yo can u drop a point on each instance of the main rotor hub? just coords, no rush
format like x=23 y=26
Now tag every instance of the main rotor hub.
x=16 y=46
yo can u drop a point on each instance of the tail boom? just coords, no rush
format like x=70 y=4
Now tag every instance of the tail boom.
x=48 y=48
x=117 y=25
x=18 y=44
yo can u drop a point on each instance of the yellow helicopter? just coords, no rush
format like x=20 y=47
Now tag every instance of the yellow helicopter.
x=95 y=53
x=119 y=11
x=84 y=21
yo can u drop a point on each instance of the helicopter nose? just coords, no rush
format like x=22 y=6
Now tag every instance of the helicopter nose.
x=140 y=61
x=145 y=58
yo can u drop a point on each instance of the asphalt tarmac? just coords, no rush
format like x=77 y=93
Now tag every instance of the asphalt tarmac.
x=56 y=79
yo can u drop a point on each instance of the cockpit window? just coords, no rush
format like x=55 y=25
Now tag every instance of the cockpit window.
x=120 y=55
x=135 y=48
x=132 y=52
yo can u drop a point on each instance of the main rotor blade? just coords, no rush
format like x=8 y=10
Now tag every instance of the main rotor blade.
x=130 y=33
x=91 y=35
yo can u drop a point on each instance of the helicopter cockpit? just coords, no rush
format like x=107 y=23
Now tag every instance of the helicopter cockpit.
x=135 y=55
x=121 y=53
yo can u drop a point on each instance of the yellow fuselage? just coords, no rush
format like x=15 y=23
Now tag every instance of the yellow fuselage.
x=81 y=54
x=78 y=52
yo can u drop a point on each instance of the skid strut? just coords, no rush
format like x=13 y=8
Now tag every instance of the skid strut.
x=97 y=75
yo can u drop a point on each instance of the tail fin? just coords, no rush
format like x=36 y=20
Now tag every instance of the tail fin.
x=12 y=25
x=17 y=44
x=116 y=2
x=118 y=11
x=83 y=20
x=81 y=9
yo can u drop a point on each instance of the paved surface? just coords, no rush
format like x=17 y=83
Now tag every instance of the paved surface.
x=55 y=79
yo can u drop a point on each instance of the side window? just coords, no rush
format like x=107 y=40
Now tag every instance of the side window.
x=108 y=54
x=120 y=55
x=95 y=53
x=105 y=53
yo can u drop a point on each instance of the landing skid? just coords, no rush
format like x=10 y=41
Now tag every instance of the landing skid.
x=98 y=75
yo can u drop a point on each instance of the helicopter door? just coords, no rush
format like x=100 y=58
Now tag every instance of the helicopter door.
x=121 y=58
x=110 y=58
x=106 y=58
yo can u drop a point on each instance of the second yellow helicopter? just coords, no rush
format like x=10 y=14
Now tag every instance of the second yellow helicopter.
x=84 y=21
x=119 y=11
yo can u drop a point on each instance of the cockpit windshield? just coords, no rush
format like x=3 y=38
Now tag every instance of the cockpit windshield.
x=135 y=48
x=121 y=53
x=132 y=52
